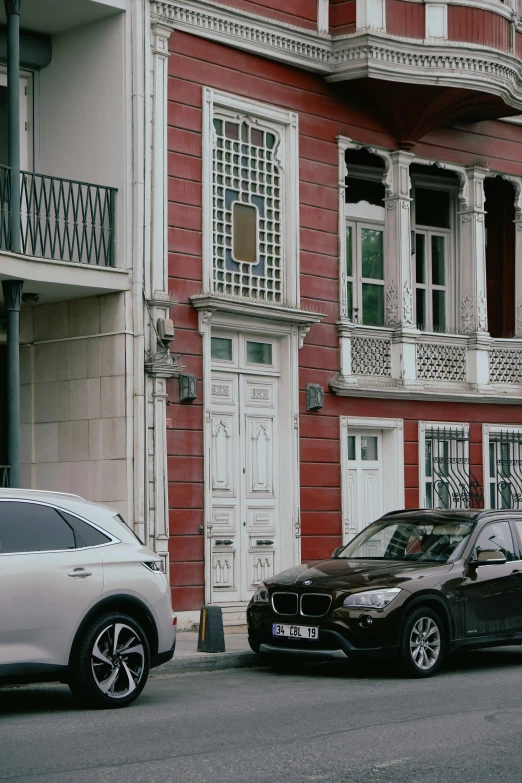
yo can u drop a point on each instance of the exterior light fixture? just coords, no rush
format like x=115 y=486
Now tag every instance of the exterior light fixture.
x=188 y=388
x=314 y=397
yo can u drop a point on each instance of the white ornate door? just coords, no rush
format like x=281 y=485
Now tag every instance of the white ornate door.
x=244 y=479
x=365 y=489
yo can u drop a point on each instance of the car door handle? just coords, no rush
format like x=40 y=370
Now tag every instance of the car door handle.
x=79 y=573
x=516 y=572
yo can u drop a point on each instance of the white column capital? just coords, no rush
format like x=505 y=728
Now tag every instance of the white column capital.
x=160 y=34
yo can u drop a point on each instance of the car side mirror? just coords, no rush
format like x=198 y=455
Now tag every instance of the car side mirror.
x=489 y=557
x=337 y=550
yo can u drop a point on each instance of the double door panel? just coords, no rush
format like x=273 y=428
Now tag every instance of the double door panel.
x=244 y=464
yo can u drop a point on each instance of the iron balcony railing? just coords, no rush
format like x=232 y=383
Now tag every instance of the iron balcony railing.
x=61 y=219
x=5 y=475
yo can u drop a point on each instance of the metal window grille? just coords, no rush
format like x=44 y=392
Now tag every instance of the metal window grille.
x=505 y=469
x=246 y=169
x=61 y=219
x=449 y=482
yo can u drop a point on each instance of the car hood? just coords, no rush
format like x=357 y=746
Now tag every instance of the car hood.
x=339 y=574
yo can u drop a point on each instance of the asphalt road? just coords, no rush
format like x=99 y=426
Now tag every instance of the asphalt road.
x=333 y=724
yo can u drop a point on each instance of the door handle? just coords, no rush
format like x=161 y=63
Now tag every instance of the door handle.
x=79 y=573
x=516 y=572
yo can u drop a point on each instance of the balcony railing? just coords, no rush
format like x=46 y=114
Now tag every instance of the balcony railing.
x=61 y=219
x=5 y=474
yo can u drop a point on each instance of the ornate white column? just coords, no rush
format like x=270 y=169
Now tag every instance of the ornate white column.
x=397 y=255
x=471 y=263
x=517 y=184
x=159 y=364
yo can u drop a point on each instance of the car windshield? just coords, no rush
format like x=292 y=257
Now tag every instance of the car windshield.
x=431 y=541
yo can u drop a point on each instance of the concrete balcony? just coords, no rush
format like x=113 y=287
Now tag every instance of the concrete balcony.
x=379 y=362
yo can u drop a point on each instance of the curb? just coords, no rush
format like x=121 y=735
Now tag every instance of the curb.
x=208 y=662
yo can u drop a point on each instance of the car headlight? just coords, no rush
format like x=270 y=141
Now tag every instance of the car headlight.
x=371 y=599
x=156 y=566
x=261 y=595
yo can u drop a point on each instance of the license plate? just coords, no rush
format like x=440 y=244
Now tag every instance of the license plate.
x=295 y=631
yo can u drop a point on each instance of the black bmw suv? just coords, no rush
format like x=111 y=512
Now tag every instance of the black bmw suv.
x=414 y=585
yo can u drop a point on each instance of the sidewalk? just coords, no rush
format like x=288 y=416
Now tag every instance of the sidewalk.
x=187 y=658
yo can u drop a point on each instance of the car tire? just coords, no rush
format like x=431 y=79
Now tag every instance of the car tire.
x=422 y=643
x=112 y=662
x=254 y=646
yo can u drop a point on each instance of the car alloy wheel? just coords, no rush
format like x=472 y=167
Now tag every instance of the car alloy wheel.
x=422 y=643
x=111 y=664
x=117 y=660
x=425 y=643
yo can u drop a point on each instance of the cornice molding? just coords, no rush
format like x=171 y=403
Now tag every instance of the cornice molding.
x=261 y=311
x=354 y=56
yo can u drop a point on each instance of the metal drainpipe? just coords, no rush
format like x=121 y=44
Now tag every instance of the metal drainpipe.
x=12 y=290
x=12 y=9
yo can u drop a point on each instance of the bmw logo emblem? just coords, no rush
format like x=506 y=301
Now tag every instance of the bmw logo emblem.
x=308 y=582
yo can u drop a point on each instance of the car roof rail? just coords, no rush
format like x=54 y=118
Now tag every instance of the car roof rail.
x=402 y=510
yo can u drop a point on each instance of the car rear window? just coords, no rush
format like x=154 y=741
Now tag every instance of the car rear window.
x=86 y=534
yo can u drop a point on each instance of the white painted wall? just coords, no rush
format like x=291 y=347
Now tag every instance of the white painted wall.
x=83 y=111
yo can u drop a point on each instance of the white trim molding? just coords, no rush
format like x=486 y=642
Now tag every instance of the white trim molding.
x=392 y=465
x=365 y=53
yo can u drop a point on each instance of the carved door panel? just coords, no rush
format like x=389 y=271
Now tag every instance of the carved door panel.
x=260 y=480
x=365 y=490
x=225 y=486
x=244 y=459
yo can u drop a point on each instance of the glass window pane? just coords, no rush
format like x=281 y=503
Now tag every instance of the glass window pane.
x=373 y=304
x=492 y=496
x=369 y=449
x=221 y=349
x=29 y=527
x=349 y=262
x=372 y=254
x=244 y=222
x=429 y=457
x=351 y=447
x=492 y=461
x=420 y=304
x=259 y=353
x=438 y=276
x=420 y=258
x=429 y=495
x=496 y=538
x=432 y=208
x=439 y=310
x=349 y=300
x=88 y=535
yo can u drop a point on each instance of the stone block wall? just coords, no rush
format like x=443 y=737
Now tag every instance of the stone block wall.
x=74 y=407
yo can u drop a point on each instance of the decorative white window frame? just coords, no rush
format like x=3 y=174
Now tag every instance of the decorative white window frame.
x=392 y=462
x=286 y=125
x=487 y=430
x=423 y=426
x=434 y=183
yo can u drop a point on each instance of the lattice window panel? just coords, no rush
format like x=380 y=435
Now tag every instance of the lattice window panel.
x=371 y=356
x=505 y=366
x=437 y=362
x=246 y=170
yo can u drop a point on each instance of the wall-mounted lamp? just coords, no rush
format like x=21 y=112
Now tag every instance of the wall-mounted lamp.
x=188 y=388
x=314 y=397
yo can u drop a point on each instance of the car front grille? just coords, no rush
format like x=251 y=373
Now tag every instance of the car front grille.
x=285 y=603
x=315 y=604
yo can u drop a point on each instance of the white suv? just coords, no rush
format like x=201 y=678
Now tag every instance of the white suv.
x=82 y=601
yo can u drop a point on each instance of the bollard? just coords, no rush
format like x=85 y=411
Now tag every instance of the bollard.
x=211 y=637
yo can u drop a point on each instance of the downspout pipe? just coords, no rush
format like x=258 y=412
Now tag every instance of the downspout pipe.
x=12 y=10
x=12 y=290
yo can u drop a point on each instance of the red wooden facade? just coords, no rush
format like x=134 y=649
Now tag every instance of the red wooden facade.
x=325 y=112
